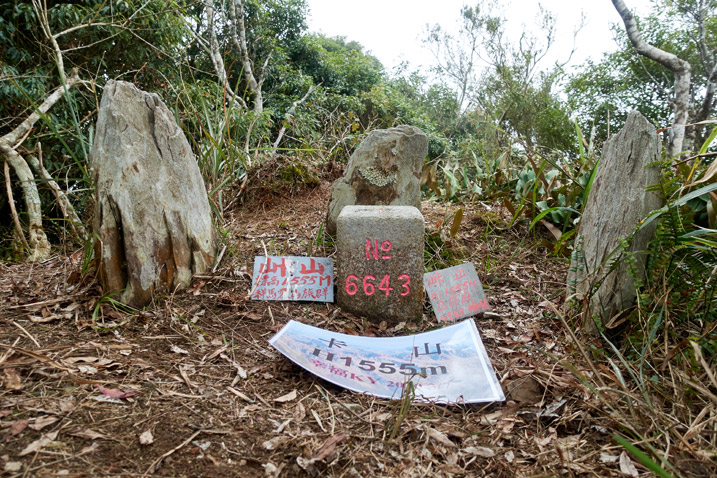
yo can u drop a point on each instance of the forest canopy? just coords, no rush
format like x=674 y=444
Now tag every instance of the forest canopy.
x=247 y=81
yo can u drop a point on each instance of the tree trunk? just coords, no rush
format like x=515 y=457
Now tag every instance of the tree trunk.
x=214 y=53
x=15 y=219
x=68 y=211
x=39 y=245
x=239 y=38
x=679 y=68
x=701 y=16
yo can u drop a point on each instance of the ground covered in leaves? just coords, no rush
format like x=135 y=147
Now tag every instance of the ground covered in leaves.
x=191 y=387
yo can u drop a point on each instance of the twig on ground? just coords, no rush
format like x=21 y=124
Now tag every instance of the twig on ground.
x=152 y=468
x=43 y=302
x=261 y=273
x=8 y=352
x=705 y=365
x=37 y=356
x=27 y=333
x=219 y=259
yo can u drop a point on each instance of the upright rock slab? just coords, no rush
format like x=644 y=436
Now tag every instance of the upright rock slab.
x=384 y=170
x=153 y=226
x=380 y=262
x=618 y=201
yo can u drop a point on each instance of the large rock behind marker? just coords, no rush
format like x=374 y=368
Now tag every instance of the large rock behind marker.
x=153 y=226
x=385 y=170
x=618 y=201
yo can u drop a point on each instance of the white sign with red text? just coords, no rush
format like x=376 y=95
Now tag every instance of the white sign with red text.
x=293 y=278
x=455 y=293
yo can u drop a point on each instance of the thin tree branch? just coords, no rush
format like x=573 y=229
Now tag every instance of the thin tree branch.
x=84 y=25
x=288 y=115
x=41 y=12
x=13 y=211
x=65 y=205
x=23 y=128
x=679 y=67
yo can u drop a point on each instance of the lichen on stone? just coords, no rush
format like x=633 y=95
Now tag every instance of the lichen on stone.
x=377 y=177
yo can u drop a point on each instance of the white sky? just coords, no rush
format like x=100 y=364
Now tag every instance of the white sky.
x=392 y=30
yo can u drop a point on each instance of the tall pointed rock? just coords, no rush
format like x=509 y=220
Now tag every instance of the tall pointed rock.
x=153 y=227
x=599 y=275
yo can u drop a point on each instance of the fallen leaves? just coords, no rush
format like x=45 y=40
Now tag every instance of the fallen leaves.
x=36 y=424
x=39 y=444
x=524 y=390
x=481 y=451
x=323 y=454
x=241 y=373
x=113 y=393
x=12 y=380
x=89 y=449
x=18 y=426
x=287 y=398
x=89 y=434
x=627 y=467
x=12 y=466
x=146 y=438
x=439 y=437
x=276 y=442
x=328 y=447
x=178 y=350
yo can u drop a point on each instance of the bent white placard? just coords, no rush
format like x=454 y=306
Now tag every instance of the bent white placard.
x=447 y=365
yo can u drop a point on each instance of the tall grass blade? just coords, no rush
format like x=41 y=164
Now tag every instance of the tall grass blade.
x=642 y=457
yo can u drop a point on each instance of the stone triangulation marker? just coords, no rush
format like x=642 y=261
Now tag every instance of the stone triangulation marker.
x=380 y=262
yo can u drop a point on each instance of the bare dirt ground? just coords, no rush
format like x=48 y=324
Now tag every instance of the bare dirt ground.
x=190 y=386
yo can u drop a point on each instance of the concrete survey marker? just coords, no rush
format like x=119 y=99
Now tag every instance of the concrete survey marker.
x=455 y=292
x=380 y=262
x=293 y=278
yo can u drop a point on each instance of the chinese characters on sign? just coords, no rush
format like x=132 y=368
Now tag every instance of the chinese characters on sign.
x=293 y=278
x=455 y=292
x=447 y=365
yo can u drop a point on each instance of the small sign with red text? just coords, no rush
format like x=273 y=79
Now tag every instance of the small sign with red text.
x=293 y=278
x=455 y=292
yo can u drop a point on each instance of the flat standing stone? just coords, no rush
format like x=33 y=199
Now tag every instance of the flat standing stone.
x=380 y=262
x=153 y=225
x=385 y=170
x=293 y=278
x=618 y=201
